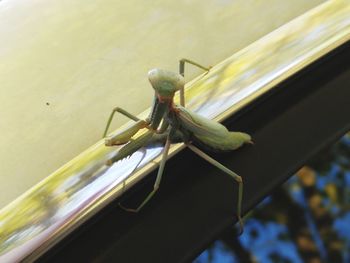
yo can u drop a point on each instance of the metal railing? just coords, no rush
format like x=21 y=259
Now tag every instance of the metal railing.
x=49 y=211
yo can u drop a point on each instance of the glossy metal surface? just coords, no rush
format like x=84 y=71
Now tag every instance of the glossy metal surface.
x=53 y=208
x=88 y=57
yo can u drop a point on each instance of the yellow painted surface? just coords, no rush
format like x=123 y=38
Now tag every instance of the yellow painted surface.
x=64 y=64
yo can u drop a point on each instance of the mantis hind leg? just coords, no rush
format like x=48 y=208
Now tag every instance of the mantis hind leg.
x=182 y=72
x=158 y=179
x=229 y=172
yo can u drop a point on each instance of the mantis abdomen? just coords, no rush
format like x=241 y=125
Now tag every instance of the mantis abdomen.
x=209 y=132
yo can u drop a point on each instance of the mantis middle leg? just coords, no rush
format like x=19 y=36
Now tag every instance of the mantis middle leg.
x=125 y=135
x=229 y=172
x=121 y=111
x=182 y=72
x=158 y=179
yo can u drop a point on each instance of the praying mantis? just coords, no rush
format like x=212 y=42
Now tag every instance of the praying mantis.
x=174 y=123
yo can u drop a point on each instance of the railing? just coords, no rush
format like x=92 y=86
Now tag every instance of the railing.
x=55 y=207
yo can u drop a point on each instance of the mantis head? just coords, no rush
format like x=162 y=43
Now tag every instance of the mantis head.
x=165 y=83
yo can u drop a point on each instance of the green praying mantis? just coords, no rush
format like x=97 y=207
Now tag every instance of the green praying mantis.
x=174 y=123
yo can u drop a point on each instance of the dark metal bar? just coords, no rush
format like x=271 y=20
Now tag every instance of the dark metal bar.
x=196 y=203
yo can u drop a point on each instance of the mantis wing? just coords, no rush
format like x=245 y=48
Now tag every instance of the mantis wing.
x=209 y=132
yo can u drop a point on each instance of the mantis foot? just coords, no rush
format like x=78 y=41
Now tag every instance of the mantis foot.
x=128 y=209
x=240 y=227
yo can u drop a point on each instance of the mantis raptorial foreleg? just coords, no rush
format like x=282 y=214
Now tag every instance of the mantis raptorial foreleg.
x=163 y=127
x=158 y=179
x=182 y=72
x=125 y=135
x=227 y=171
x=143 y=151
x=131 y=147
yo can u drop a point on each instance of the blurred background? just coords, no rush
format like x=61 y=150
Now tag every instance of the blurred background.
x=65 y=64
x=304 y=220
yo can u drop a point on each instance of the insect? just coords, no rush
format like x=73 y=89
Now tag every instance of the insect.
x=174 y=123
